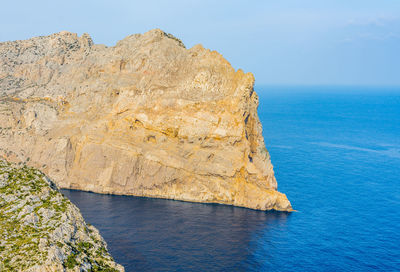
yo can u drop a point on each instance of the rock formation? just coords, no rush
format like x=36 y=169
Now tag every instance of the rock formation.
x=146 y=117
x=41 y=230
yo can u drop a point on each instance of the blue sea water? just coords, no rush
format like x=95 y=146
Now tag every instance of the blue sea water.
x=336 y=154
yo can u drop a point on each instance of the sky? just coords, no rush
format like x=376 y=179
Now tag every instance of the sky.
x=285 y=42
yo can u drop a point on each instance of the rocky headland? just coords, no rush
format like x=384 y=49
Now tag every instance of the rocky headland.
x=146 y=117
x=41 y=230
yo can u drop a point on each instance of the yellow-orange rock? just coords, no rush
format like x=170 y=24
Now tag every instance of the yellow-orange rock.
x=146 y=117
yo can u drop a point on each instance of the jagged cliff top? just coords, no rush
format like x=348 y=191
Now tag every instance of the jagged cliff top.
x=152 y=51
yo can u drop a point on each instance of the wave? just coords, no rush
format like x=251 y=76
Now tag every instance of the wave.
x=390 y=152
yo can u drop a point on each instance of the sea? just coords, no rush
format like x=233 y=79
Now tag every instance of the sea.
x=336 y=155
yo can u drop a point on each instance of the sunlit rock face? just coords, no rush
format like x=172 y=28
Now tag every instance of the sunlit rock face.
x=145 y=117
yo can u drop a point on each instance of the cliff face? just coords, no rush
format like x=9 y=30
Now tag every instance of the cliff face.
x=41 y=230
x=146 y=117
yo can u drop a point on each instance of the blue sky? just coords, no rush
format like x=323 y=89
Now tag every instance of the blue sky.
x=287 y=42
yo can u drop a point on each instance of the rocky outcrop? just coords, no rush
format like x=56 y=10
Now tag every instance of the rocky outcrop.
x=145 y=117
x=41 y=230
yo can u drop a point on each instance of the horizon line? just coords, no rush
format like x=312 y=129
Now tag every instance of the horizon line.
x=388 y=86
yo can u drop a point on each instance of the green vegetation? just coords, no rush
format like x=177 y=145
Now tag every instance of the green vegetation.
x=263 y=151
x=71 y=261
x=36 y=220
x=169 y=35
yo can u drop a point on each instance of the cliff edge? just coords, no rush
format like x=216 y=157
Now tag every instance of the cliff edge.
x=146 y=117
x=41 y=230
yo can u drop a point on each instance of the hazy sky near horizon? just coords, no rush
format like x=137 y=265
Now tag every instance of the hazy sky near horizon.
x=288 y=42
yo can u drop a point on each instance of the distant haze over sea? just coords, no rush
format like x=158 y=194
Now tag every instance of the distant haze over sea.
x=281 y=42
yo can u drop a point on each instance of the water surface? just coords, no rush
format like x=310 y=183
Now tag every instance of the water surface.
x=336 y=153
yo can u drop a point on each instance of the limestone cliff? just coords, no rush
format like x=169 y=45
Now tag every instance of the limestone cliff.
x=41 y=230
x=145 y=117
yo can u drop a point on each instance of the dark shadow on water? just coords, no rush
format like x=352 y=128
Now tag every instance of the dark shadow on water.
x=148 y=234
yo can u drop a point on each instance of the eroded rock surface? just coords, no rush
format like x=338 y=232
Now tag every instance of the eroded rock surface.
x=145 y=117
x=41 y=230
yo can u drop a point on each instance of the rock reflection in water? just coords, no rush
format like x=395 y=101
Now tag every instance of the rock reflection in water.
x=157 y=234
